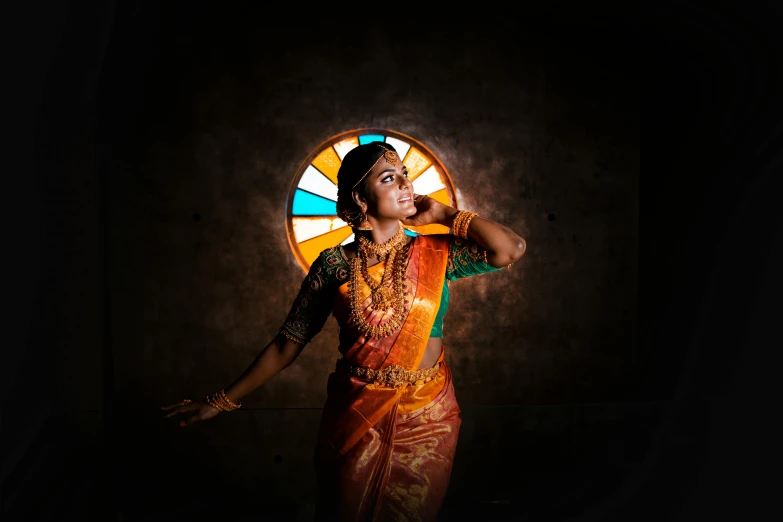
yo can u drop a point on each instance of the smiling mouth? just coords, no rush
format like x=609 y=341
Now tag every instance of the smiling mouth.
x=404 y=198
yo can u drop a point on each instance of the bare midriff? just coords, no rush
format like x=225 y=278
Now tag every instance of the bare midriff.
x=431 y=353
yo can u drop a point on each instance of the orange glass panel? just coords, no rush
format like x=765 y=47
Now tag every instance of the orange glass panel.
x=441 y=195
x=328 y=162
x=431 y=229
x=416 y=163
x=312 y=247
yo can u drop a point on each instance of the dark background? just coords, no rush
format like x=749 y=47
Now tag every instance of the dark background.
x=626 y=372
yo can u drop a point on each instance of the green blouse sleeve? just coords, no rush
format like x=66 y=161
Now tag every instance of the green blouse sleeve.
x=466 y=258
x=313 y=303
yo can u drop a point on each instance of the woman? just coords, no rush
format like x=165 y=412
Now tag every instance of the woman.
x=390 y=423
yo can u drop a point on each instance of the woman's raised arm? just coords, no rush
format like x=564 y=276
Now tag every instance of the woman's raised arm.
x=503 y=246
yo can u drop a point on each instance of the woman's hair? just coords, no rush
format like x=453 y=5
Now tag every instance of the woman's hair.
x=352 y=175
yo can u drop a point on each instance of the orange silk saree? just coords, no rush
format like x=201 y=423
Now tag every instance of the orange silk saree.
x=386 y=453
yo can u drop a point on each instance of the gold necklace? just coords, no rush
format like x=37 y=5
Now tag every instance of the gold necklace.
x=381 y=292
x=382 y=250
x=386 y=295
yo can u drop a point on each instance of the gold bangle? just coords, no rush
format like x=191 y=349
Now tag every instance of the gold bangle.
x=466 y=224
x=228 y=402
x=462 y=222
x=457 y=223
x=463 y=225
x=220 y=401
x=209 y=400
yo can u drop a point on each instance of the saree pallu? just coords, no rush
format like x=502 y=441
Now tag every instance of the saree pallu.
x=386 y=453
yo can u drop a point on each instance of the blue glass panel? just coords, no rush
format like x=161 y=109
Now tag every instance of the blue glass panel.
x=367 y=138
x=306 y=204
x=411 y=233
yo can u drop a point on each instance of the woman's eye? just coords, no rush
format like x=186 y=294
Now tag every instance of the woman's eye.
x=390 y=177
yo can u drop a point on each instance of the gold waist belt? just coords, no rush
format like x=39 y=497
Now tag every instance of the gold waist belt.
x=393 y=375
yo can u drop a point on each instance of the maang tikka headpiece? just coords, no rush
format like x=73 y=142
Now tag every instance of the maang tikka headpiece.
x=389 y=155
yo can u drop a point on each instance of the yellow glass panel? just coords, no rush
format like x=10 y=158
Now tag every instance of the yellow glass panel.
x=416 y=163
x=431 y=229
x=312 y=247
x=441 y=195
x=328 y=162
x=345 y=146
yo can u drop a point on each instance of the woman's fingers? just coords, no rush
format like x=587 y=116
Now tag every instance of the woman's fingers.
x=199 y=409
x=190 y=420
x=173 y=412
x=180 y=403
x=182 y=407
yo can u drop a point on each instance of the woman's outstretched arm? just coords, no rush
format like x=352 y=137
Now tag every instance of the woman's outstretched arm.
x=305 y=319
x=274 y=358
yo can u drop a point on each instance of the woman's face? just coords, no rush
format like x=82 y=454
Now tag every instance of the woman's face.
x=388 y=191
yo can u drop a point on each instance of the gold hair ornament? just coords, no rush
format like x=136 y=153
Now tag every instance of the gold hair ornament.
x=389 y=155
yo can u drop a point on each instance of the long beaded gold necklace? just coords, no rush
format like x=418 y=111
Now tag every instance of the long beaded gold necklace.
x=389 y=293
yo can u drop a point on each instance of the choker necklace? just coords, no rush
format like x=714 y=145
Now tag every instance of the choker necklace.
x=382 y=250
x=386 y=295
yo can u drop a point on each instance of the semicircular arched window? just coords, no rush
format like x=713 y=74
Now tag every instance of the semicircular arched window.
x=312 y=221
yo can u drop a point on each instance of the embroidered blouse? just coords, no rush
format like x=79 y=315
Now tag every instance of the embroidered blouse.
x=313 y=304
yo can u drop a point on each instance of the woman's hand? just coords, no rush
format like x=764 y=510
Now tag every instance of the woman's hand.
x=203 y=411
x=428 y=211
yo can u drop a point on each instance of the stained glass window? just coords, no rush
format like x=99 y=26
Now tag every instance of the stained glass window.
x=313 y=224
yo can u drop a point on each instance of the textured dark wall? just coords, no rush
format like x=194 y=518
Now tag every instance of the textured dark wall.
x=165 y=147
x=203 y=276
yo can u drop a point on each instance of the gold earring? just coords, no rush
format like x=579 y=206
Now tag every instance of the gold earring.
x=364 y=224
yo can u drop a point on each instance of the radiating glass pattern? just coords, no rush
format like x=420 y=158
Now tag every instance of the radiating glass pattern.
x=327 y=163
x=344 y=146
x=308 y=227
x=401 y=146
x=317 y=183
x=313 y=224
x=416 y=163
x=428 y=182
